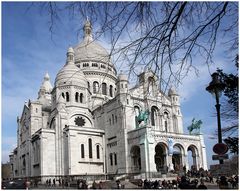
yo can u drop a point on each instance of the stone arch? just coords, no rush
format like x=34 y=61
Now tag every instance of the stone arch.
x=137 y=110
x=81 y=97
x=151 y=84
x=166 y=121
x=154 y=115
x=160 y=157
x=192 y=156
x=95 y=87
x=178 y=157
x=111 y=91
x=135 y=154
x=76 y=96
x=67 y=97
x=104 y=88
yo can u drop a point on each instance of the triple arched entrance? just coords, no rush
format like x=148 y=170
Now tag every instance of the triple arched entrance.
x=165 y=160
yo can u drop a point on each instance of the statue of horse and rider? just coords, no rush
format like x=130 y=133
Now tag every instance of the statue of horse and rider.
x=196 y=125
x=142 y=116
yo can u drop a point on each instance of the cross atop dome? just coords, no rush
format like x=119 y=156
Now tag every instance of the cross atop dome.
x=87 y=30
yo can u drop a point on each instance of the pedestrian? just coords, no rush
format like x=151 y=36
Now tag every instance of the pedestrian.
x=47 y=182
x=54 y=182
x=100 y=185
x=223 y=184
x=202 y=186
x=94 y=185
x=80 y=185
x=63 y=183
x=118 y=184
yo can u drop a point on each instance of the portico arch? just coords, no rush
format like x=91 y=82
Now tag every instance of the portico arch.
x=160 y=157
x=177 y=157
x=192 y=156
x=135 y=154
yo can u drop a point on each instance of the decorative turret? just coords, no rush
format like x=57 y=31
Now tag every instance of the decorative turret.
x=148 y=80
x=122 y=83
x=70 y=73
x=70 y=56
x=46 y=88
x=172 y=93
x=177 y=116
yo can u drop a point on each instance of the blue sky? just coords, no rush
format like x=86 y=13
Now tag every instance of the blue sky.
x=28 y=52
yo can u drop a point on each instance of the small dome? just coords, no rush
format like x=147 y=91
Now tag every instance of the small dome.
x=46 y=85
x=70 y=50
x=70 y=73
x=172 y=91
x=122 y=77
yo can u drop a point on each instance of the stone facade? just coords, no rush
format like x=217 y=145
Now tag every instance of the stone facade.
x=92 y=123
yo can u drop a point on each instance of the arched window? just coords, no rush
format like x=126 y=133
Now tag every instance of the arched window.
x=81 y=97
x=111 y=90
x=90 y=147
x=165 y=125
x=95 y=87
x=63 y=95
x=98 y=152
x=153 y=116
x=82 y=150
x=165 y=121
x=111 y=159
x=76 y=96
x=136 y=110
x=67 y=96
x=151 y=84
x=104 y=88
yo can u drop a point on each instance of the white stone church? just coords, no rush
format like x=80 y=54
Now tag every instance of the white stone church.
x=92 y=124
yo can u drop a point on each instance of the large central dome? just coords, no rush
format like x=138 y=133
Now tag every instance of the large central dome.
x=89 y=49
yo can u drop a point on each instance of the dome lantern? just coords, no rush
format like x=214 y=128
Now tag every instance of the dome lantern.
x=87 y=29
x=70 y=56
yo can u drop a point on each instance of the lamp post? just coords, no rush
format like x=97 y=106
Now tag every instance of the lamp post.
x=215 y=87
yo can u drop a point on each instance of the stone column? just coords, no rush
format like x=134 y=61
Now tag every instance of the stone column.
x=186 y=162
x=170 y=164
x=144 y=156
x=203 y=153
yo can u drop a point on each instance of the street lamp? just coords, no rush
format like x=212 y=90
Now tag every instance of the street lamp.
x=215 y=87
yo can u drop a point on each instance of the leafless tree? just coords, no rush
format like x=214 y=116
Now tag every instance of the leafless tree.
x=163 y=36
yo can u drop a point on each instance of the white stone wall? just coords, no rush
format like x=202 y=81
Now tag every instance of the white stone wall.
x=48 y=153
x=79 y=165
